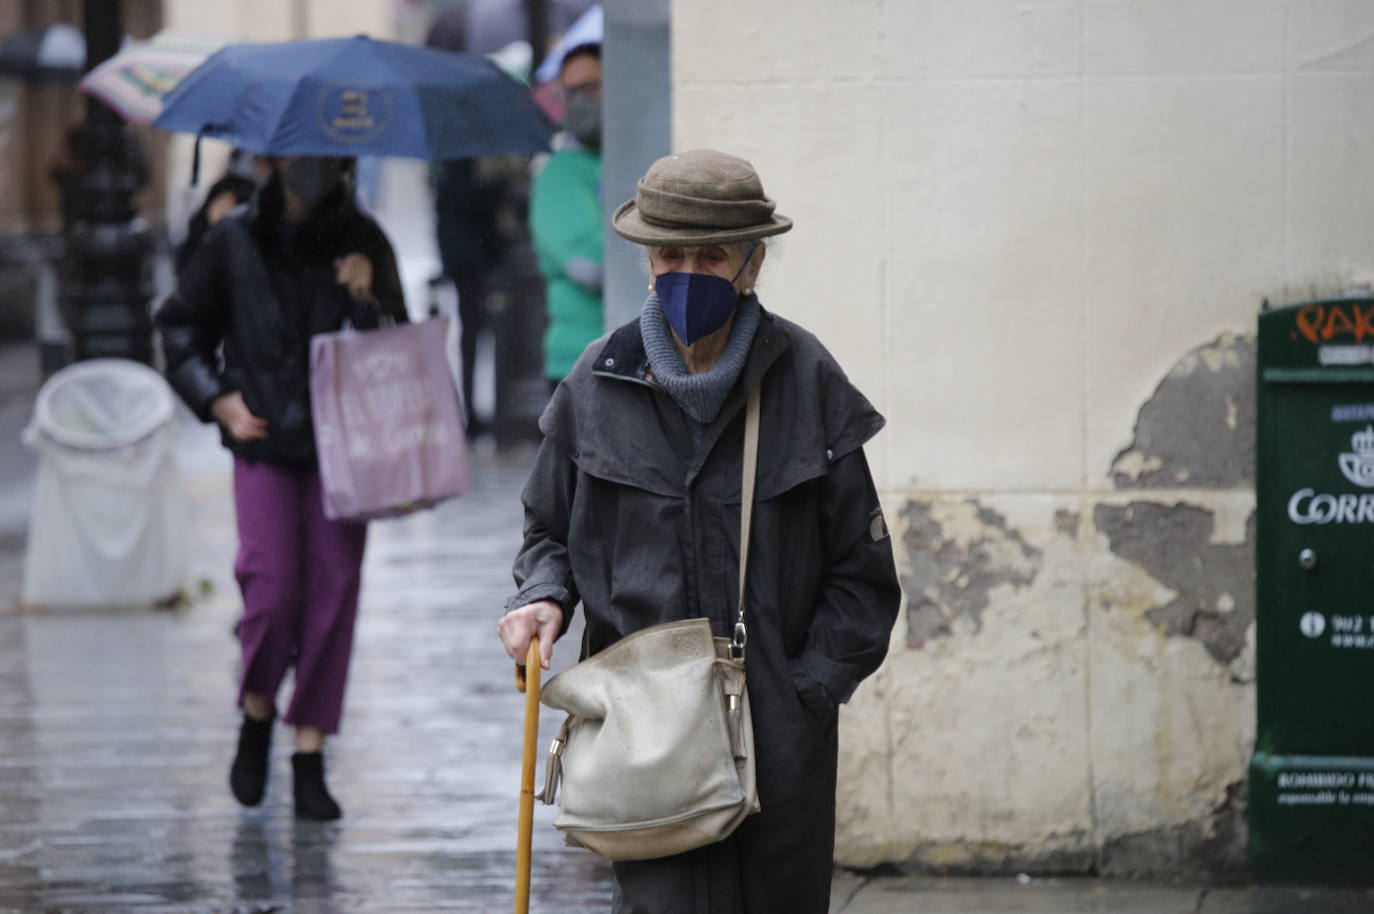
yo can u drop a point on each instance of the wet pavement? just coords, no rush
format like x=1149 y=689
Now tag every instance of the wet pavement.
x=116 y=732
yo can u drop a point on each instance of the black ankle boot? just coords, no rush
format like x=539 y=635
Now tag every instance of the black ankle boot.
x=248 y=774
x=312 y=796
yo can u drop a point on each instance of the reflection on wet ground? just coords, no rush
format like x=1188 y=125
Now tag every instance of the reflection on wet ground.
x=116 y=733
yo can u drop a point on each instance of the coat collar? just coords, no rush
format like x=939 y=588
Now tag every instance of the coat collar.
x=619 y=426
x=622 y=358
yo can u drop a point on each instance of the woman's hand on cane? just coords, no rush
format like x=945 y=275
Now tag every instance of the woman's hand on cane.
x=543 y=618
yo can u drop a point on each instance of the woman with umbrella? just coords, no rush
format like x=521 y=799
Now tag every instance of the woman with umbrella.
x=300 y=259
x=633 y=509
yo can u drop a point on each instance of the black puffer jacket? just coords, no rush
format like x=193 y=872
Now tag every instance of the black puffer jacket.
x=248 y=303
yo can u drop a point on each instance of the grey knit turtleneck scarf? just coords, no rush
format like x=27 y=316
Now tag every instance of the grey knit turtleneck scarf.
x=700 y=395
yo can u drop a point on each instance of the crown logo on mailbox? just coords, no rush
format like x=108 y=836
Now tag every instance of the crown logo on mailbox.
x=1358 y=466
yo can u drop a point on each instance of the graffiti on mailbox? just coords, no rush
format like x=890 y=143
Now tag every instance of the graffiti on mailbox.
x=1342 y=331
x=1335 y=321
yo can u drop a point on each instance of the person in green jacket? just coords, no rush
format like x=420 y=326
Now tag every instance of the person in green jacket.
x=565 y=218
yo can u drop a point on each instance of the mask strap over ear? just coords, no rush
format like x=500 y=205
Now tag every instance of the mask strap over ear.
x=751 y=247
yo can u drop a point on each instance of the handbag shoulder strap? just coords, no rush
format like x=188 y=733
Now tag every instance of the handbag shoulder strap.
x=746 y=515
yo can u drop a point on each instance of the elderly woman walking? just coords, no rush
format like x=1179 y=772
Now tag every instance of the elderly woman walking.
x=633 y=509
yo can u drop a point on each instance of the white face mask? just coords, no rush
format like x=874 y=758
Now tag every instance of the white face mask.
x=313 y=179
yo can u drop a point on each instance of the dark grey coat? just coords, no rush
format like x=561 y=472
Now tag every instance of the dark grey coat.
x=625 y=512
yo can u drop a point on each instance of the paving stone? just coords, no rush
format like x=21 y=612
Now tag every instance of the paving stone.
x=928 y=895
x=116 y=732
x=1285 y=900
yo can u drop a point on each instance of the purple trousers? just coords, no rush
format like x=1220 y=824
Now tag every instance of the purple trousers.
x=299 y=573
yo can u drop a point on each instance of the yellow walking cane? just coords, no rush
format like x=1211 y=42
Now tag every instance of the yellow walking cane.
x=529 y=684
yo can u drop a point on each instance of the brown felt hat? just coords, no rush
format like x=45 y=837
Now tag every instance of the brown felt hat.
x=699 y=197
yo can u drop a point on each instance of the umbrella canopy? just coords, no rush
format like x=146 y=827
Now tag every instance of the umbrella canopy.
x=354 y=97
x=134 y=81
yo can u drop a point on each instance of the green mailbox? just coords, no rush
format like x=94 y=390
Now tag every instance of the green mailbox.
x=1311 y=801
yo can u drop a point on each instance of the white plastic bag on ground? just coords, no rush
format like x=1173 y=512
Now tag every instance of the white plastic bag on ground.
x=108 y=522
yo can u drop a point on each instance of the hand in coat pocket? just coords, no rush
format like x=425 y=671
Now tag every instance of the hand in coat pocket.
x=238 y=420
x=814 y=697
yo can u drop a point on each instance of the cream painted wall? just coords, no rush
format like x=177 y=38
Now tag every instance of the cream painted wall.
x=254 y=20
x=279 y=20
x=1014 y=220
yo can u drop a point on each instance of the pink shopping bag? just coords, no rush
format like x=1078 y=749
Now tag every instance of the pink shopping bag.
x=388 y=426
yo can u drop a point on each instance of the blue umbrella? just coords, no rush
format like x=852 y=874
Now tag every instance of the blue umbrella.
x=356 y=97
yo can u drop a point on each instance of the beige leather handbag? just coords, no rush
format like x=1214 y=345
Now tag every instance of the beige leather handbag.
x=656 y=756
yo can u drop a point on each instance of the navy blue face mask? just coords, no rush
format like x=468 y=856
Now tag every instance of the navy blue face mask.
x=697 y=304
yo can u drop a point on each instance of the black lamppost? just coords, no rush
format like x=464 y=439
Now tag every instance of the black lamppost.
x=106 y=277
x=537 y=13
x=516 y=302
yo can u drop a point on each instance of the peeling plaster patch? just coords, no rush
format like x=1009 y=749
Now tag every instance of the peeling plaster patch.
x=1231 y=520
x=1243 y=667
x=1134 y=465
x=1199 y=426
x=956 y=554
x=1174 y=545
x=1067 y=522
x=1208 y=850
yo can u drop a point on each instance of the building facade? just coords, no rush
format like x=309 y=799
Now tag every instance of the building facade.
x=1037 y=233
